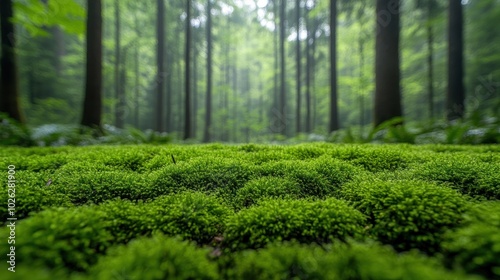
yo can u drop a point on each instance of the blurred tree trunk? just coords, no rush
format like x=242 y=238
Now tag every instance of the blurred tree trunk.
x=195 y=84
x=282 y=100
x=187 y=101
x=120 y=99
x=313 y=73
x=430 y=56
x=92 y=104
x=274 y=115
x=9 y=94
x=136 y=74
x=160 y=73
x=207 y=137
x=308 y=74
x=455 y=106
x=334 y=113
x=387 y=74
x=361 y=82
x=299 y=68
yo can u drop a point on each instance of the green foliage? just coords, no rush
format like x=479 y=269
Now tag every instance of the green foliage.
x=320 y=221
x=374 y=160
x=70 y=238
x=266 y=187
x=463 y=173
x=407 y=214
x=13 y=133
x=35 y=15
x=315 y=193
x=339 y=261
x=310 y=182
x=208 y=174
x=31 y=195
x=475 y=247
x=156 y=258
x=98 y=186
x=193 y=216
x=470 y=131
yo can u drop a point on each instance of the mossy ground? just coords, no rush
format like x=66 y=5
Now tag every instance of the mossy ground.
x=309 y=211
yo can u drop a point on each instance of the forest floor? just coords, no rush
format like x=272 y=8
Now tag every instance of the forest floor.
x=315 y=211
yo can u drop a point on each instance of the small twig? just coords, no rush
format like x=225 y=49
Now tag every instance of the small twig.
x=48 y=182
x=173 y=159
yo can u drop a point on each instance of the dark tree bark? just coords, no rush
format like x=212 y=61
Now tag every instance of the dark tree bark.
x=92 y=104
x=9 y=94
x=387 y=74
x=455 y=106
x=299 y=68
x=160 y=72
x=208 y=110
x=187 y=101
x=334 y=113
x=120 y=99
x=282 y=100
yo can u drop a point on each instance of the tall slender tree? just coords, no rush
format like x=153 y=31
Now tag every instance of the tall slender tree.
x=187 y=105
x=160 y=73
x=308 y=121
x=334 y=114
x=455 y=96
x=208 y=109
x=136 y=73
x=120 y=99
x=430 y=55
x=92 y=103
x=9 y=91
x=282 y=100
x=298 y=66
x=387 y=73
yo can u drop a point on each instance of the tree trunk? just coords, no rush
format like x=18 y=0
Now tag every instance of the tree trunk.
x=274 y=116
x=119 y=110
x=361 y=79
x=137 y=75
x=298 y=65
x=92 y=104
x=195 y=86
x=334 y=113
x=455 y=106
x=187 y=101
x=160 y=75
x=282 y=102
x=9 y=94
x=208 y=110
x=313 y=74
x=430 y=42
x=308 y=75
x=387 y=75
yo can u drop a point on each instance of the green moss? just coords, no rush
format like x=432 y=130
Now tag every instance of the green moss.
x=158 y=257
x=354 y=261
x=306 y=221
x=475 y=246
x=464 y=173
x=407 y=214
x=266 y=187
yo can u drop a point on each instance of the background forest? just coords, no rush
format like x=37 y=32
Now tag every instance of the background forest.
x=252 y=70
